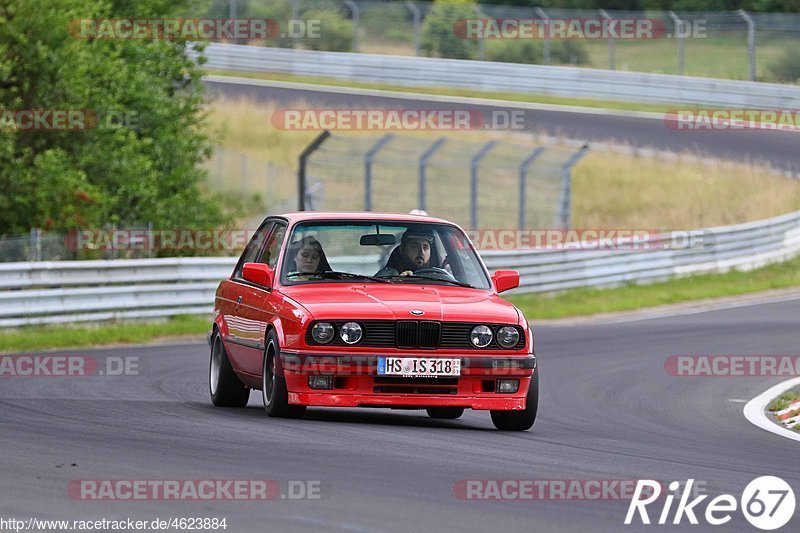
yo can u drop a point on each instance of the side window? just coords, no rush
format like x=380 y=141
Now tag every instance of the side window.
x=273 y=250
x=253 y=247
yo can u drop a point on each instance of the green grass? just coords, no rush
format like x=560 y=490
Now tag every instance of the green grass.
x=783 y=401
x=590 y=301
x=32 y=338
x=446 y=91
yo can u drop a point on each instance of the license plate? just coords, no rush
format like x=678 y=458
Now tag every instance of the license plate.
x=418 y=366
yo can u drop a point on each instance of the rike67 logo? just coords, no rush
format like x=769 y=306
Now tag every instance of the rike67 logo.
x=767 y=502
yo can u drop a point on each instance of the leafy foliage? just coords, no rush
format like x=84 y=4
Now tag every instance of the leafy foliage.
x=144 y=168
x=438 y=38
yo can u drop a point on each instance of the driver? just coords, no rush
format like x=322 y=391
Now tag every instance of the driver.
x=414 y=253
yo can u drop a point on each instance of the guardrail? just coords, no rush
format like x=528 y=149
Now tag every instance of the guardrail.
x=72 y=291
x=505 y=77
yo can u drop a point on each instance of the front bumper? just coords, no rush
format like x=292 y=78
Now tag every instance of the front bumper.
x=357 y=384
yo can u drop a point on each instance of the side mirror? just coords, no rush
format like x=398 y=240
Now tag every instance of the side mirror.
x=258 y=273
x=505 y=280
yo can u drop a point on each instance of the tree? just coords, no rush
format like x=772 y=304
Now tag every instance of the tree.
x=142 y=168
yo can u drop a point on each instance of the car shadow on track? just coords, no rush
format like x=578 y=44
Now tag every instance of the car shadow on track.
x=372 y=416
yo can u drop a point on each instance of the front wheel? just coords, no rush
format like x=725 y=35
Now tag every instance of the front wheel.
x=520 y=420
x=225 y=388
x=273 y=387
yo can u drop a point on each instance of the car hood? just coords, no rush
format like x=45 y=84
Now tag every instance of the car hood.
x=373 y=301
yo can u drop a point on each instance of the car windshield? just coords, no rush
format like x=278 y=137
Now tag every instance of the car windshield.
x=381 y=252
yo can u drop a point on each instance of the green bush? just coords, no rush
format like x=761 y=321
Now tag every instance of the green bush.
x=787 y=67
x=336 y=32
x=517 y=51
x=569 y=52
x=438 y=36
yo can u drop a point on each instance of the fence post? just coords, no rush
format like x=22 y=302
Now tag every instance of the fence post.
x=751 y=42
x=565 y=214
x=423 y=161
x=301 y=171
x=546 y=44
x=356 y=22
x=523 y=178
x=612 y=52
x=678 y=31
x=36 y=243
x=368 y=157
x=481 y=43
x=245 y=172
x=417 y=14
x=473 y=183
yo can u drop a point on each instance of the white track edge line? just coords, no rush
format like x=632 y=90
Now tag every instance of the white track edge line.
x=754 y=410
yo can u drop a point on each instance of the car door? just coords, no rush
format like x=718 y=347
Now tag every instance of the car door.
x=253 y=310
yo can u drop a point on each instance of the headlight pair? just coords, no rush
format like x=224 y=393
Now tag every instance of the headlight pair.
x=350 y=332
x=481 y=336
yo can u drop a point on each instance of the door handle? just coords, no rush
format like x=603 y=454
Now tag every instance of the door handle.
x=238 y=302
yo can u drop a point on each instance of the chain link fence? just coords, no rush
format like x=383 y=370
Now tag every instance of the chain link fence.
x=732 y=45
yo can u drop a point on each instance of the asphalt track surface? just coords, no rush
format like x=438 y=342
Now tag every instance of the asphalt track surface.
x=781 y=149
x=608 y=410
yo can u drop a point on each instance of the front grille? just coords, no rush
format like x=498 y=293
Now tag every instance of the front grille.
x=400 y=385
x=414 y=334
x=406 y=334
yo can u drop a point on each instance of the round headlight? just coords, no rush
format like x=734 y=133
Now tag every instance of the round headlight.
x=508 y=337
x=481 y=336
x=322 y=332
x=350 y=332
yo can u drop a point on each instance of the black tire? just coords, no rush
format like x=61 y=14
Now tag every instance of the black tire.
x=224 y=386
x=445 y=413
x=273 y=386
x=520 y=420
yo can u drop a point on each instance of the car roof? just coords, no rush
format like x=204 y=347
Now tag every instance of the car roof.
x=301 y=216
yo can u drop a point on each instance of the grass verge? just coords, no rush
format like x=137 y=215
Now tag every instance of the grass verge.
x=31 y=338
x=783 y=401
x=447 y=91
x=610 y=189
x=579 y=302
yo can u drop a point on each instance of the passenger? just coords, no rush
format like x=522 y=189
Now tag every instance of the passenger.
x=306 y=256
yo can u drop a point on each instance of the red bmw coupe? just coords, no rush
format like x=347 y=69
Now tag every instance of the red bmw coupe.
x=371 y=310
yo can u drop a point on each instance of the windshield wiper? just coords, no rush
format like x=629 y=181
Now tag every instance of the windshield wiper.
x=454 y=282
x=337 y=275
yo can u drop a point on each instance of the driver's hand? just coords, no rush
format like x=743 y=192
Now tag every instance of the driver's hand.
x=407 y=273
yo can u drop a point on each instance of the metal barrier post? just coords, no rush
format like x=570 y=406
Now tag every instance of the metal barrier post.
x=481 y=42
x=301 y=171
x=565 y=214
x=473 y=183
x=356 y=22
x=612 y=52
x=423 y=160
x=36 y=243
x=751 y=43
x=417 y=14
x=546 y=44
x=678 y=32
x=368 y=157
x=523 y=178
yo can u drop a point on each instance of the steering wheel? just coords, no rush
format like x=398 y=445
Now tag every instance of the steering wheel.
x=436 y=271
